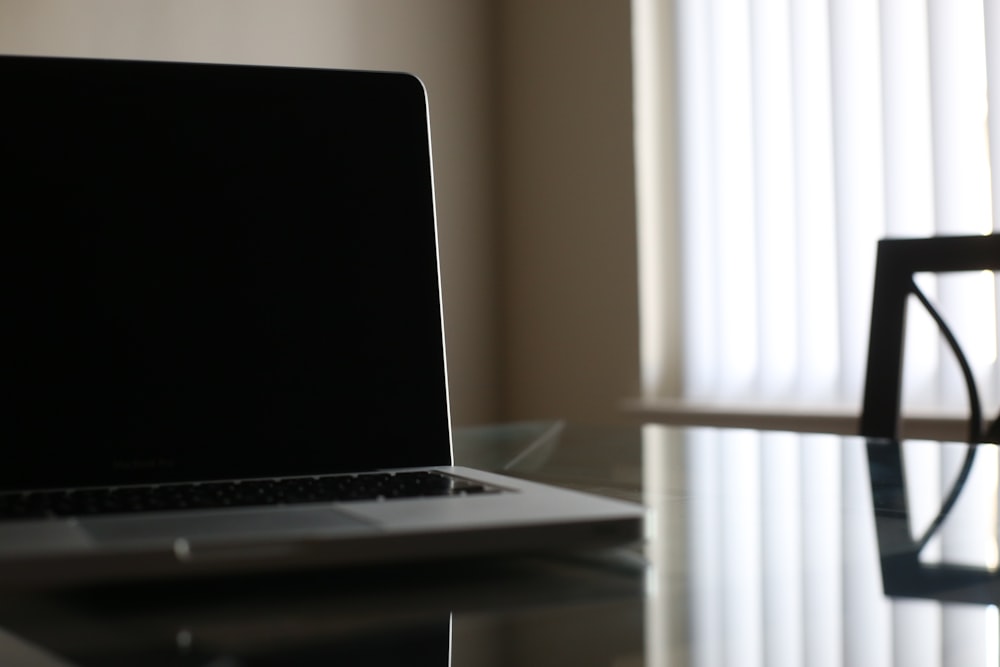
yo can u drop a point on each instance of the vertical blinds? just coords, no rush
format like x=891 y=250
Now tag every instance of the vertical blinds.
x=809 y=129
x=805 y=131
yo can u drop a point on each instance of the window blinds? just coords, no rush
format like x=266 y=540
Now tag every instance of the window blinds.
x=777 y=141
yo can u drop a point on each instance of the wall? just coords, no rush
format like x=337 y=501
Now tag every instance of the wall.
x=567 y=206
x=445 y=42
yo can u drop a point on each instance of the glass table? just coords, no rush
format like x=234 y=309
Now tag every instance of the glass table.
x=763 y=548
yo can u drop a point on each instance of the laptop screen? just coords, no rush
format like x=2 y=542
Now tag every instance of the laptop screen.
x=213 y=271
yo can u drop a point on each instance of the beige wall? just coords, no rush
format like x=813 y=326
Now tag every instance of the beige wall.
x=531 y=117
x=567 y=207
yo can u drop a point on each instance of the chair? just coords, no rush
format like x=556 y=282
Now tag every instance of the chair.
x=897 y=262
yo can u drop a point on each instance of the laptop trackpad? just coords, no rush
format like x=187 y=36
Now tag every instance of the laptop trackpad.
x=205 y=526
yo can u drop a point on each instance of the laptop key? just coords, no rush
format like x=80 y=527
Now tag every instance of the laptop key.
x=294 y=490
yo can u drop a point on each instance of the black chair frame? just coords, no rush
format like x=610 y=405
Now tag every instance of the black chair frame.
x=898 y=261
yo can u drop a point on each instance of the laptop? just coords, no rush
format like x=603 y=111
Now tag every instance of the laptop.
x=221 y=316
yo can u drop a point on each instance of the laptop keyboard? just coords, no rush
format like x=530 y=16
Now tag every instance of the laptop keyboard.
x=284 y=491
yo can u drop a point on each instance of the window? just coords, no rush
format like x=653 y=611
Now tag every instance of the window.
x=777 y=141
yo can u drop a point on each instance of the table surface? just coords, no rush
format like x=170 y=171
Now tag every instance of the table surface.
x=763 y=549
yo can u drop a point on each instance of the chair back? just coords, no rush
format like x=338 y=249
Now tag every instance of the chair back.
x=897 y=262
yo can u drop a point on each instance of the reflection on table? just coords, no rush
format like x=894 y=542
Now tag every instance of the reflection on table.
x=764 y=548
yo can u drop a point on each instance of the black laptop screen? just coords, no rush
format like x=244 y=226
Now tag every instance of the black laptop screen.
x=214 y=271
